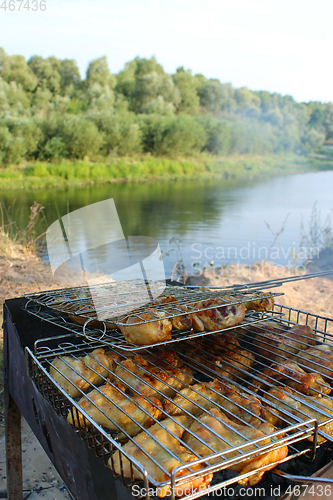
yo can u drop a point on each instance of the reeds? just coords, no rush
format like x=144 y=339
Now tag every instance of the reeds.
x=28 y=238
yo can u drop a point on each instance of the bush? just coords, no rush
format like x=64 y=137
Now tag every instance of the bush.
x=81 y=137
x=184 y=136
x=218 y=135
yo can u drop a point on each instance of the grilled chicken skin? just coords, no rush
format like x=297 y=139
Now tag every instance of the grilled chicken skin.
x=100 y=404
x=317 y=359
x=157 y=327
x=224 y=354
x=295 y=377
x=219 y=433
x=292 y=402
x=274 y=342
x=83 y=371
x=240 y=406
x=165 y=373
x=167 y=451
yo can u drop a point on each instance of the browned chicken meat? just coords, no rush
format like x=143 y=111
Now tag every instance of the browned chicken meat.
x=317 y=359
x=217 y=316
x=301 y=406
x=163 y=372
x=219 y=433
x=167 y=451
x=240 y=406
x=156 y=329
x=181 y=322
x=227 y=364
x=223 y=354
x=265 y=303
x=295 y=377
x=274 y=342
x=100 y=405
x=75 y=375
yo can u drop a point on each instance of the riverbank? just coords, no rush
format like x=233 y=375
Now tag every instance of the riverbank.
x=41 y=175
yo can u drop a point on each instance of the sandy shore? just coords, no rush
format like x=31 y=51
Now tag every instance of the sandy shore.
x=21 y=272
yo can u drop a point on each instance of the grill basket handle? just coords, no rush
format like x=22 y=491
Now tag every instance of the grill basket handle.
x=302 y=479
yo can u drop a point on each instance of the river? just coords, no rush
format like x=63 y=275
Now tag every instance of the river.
x=217 y=221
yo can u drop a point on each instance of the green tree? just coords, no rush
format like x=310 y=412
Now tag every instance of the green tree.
x=215 y=96
x=98 y=72
x=184 y=136
x=46 y=71
x=69 y=75
x=187 y=85
x=218 y=135
x=15 y=69
x=81 y=137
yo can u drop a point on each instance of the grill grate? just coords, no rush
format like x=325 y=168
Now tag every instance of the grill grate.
x=109 y=302
x=294 y=424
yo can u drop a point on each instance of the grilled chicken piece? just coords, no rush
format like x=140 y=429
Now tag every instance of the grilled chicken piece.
x=181 y=322
x=242 y=359
x=160 y=450
x=86 y=366
x=266 y=303
x=224 y=340
x=225 y=353
x=275 y=343
x=296 y=404
x=104 y=412
x=241 y=407
x=148 y=333
x=295 y=377
x=157 y=327
x=167 y=376
x=81 y=320
x=228 y=436
x=317 y=359
x=218 y=317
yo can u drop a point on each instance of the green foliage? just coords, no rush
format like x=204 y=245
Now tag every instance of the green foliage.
x=187 y=85
x=98 y=72
x=48 y=113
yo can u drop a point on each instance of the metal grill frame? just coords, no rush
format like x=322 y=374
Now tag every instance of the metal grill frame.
x=299 y=431
x=105 y=302
x=114 y=338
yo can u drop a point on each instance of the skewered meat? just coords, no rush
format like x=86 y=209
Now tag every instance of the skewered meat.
x=294 y=376
x=296 y=404
x=229 y=434
x=317 y=359
x=275 y=343
x=93 y=367
x=101 y=407
x=167 y=451
x=141 y=376
x=240 y=406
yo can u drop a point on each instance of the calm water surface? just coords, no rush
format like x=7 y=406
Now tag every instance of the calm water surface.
x=213 y=220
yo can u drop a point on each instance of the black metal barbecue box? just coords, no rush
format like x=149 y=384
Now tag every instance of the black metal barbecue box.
x=218 y=408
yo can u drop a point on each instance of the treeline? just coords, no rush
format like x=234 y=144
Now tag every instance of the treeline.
x=48 y=112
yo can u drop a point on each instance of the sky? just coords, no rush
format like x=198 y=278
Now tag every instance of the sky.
x=282 y=46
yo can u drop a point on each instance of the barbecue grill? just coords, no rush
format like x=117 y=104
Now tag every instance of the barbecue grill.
x=86 y=454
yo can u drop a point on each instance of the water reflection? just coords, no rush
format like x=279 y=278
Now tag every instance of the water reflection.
x=215 y=220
